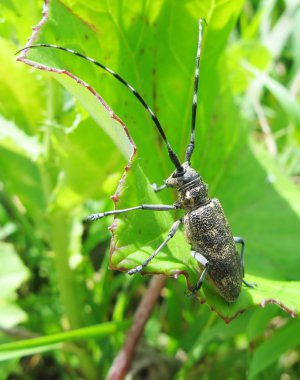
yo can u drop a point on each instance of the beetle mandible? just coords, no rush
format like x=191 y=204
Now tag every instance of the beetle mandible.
x=205 y=225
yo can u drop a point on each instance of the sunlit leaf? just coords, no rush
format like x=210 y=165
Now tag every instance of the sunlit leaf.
x=12 y=274
x=162 y=69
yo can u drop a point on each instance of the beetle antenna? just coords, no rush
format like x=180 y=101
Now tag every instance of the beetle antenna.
x=191 y=145
x=173 y=156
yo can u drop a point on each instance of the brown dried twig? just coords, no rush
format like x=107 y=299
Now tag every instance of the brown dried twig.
x=123 y=361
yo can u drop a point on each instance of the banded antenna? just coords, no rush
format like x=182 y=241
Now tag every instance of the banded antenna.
x=191 y=145
x=172 y=154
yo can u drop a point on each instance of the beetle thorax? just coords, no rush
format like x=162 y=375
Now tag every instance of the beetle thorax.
x=193 y=195
x=192 y=190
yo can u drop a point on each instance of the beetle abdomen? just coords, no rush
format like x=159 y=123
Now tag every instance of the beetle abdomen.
x=226 y=276
x=208 y=232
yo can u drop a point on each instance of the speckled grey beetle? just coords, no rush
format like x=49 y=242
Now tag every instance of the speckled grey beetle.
x=205 y=225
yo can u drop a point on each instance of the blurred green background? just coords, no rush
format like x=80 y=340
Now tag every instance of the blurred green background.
x=57 y=166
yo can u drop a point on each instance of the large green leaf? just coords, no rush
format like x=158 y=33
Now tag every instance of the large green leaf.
x=153 y=47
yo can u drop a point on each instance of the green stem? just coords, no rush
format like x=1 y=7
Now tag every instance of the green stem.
x=61 y=228
x=61 y=225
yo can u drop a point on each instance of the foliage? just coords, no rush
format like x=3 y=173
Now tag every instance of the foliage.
x=57 y=166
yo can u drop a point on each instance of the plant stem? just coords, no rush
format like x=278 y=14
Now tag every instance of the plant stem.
x=122 y=362
x=61 y=227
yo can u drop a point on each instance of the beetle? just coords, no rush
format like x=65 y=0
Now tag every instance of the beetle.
x=205 y=225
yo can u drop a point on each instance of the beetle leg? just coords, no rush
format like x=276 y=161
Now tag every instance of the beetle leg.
x=160 y=188
x=249 y=284
x=171 y=233
x=202 y=260
x=141 y=207
x=239 y=240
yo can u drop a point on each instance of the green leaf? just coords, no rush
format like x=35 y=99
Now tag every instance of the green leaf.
x=253 y=53
x=267 y=353
x=26 y=110
x=160 y=64
x=285 y=98
x=16 y=140
x=19 y=150
x=85 y=158
x=12 y=274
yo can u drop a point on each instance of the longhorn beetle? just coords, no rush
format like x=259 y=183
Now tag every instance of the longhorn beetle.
x=205 y=225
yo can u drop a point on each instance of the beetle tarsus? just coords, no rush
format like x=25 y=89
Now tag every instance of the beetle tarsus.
x=135 y=270
x=93 y=217
x=158 y=188
x=250 y=284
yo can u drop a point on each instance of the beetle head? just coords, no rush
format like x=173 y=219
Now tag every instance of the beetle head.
x=178 y=180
